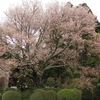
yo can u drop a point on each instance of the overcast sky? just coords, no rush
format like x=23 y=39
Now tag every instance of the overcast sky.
x=93 y=4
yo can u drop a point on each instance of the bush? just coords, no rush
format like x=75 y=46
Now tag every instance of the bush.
x=51 y=82
x=42 y=92
x=11 y=95
x=51 y=95
x=36 y=96
x=69 y=94
x=6 y=89
x=79 y=94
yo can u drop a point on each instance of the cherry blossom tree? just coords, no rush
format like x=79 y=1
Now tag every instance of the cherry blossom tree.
x=20 y=31
x=44 y=39
x=63 y=29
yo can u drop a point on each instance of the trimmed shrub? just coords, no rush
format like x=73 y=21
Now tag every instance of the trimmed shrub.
x=6 y=89
x=51 y=95
x=79 y=93
x=36 y=96
x=69 y=94
x=42 y=92
x=11 y=95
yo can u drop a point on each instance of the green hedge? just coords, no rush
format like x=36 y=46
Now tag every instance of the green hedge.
x=69 y=94
x=40 y=94
x=51 y=95
x=79 y=93
x=11 y=95
x=36 y=96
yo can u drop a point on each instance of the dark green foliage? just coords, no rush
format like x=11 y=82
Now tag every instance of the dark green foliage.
x=51 y=95
x=85 y=5
x=11 y=95
x=50 y=82
x=6 y=55
x=26 y=94
x=96 y=95
x=74 y=46
x=0 y=96
x=1 y=89
x=87 y=59
x=36 y=96
x=97 y=29
x=87 y=94
x=92 y=60
x=55 y=73
x=94 y=81
x=24 y=76
x=96 y=92
x=87 y=36
x=68 y=72
x=69 y=94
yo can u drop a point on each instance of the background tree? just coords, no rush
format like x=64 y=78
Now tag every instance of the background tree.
x=43 y=39
x=20 y=33
x=64 y=28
